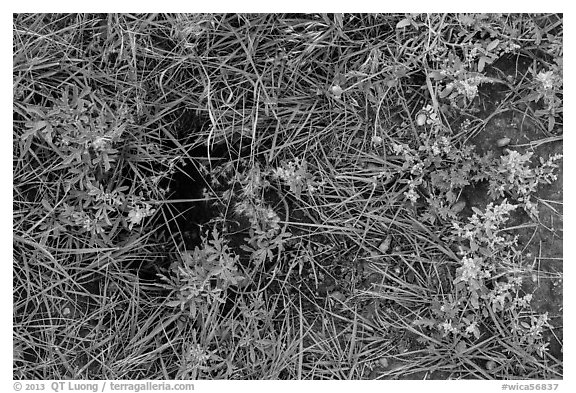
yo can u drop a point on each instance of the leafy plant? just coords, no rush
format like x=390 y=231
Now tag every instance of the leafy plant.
x=201 y=278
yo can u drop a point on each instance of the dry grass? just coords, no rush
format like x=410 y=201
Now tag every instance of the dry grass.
x=175 y=92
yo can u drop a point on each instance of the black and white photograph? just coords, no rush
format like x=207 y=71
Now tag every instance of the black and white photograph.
x=287 y=196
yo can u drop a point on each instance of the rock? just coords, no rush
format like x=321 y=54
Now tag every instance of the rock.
x=384 y=362
x=385 y=245
x=503 y=142
x=461 y=347
x=459 y=206
x=490 y=365
x=421 y=119
x=337 y=295
x=337 y=91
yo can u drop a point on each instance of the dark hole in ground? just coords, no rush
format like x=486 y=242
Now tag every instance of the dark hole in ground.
x=191 y=211
x=185 y=217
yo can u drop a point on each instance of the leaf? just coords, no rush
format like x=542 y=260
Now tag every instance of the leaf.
x=174 y=303
x=538 y=35
x=265 y=343
x=481 y=63
x=403 y=23
x=491 y=46
x=491 y=59
x=461 y=347
x=356 y=74
x=436 y=75
x=473 y=246
x=326 y=18
x=46 y=205
x=489 y=233
x=35 y=127
x=424 y=322
x=551 y=123
x=457 y=63
x=474 y=300
x=484 y=251
x=446 y=92
x=476 y=332
x=534 y=96
x=339 y=20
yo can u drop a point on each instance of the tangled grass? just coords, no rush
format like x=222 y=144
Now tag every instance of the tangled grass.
x=261 y=196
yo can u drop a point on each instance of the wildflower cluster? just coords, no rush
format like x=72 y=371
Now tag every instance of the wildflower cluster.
x=295 y=175
x=84 y=132
x=266 y=236
x=460 y=82
x=138 y=210
x=528 y=332
x=545 y=89
x=441 y=169
x=201 y=278
x=432 y=117
x=481 y=231
x=88 y=221
x=444 y=170
x=489 y=50
x=251 y=202
x=466 y=87
x=480 y=285
x=196 y=356
x=449 y=321
x=513 y=175
x=549 y=85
